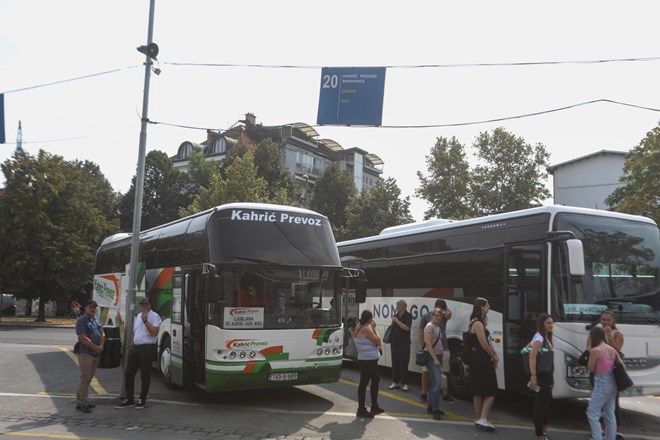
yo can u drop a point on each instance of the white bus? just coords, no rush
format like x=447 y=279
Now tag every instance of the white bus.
x=249 y=295
x=570 y=262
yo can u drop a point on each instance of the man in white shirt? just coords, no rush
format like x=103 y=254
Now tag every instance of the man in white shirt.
x=142 y=353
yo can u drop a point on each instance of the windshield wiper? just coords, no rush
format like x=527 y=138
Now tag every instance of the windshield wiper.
x=256 y=260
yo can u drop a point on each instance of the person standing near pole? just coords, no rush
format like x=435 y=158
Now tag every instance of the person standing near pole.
x=142 y=353
x=91 y=338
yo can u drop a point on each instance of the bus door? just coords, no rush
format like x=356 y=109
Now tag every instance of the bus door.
x=176 y=330
x=194 y=340
x=524 y=302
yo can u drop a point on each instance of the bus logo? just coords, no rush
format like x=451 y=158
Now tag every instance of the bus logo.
x=246 y=343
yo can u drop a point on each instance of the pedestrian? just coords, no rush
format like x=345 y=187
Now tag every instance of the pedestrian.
x=141 y=354
x=74 y=308
x=542 y=383
x=614 y=338
x=91 y=339
x=483 y=381
x=446 y=355
x=368 y=343
x=603 y=396
x=432 y=336
x=400 y=345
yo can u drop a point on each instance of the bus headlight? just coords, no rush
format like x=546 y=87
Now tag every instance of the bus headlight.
x=232 y=355
x=327 y=351
x=577 y=371
x=242 y=355
x=335 y=350
x=253 y=354
x=319 y=351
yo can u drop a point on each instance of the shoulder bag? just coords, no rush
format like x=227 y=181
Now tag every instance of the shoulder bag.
x=387 y=337
x=421 y=356
x=545 y=361
x=623 y=381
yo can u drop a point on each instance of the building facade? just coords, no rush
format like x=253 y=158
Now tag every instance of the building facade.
x=304 y=153
x=588 y=180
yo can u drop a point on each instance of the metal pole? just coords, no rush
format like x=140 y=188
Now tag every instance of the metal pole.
x=137 y=207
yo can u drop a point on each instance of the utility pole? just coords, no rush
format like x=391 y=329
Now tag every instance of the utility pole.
x=150 y=51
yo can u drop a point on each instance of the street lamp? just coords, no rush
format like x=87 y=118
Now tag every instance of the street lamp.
x=306 y=177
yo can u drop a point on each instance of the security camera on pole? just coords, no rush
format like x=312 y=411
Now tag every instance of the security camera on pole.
x=150 y=51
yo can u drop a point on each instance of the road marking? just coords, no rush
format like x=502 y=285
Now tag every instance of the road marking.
x=95 y=384
x=62 y=436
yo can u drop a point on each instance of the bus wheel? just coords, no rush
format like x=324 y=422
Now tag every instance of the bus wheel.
x=458 y=377
x=165 y=362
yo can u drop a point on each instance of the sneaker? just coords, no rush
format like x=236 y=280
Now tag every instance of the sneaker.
x=423 y=398
x=487 y=426
x=85 y=409
x=480 y=424
x=448 y=399
x=437 y=415
x=405 y=387
x=139 y=404
x=89 y=405
x=429 y=410
x=619 y=436
x=375 y=410
x=125 y=404
x=362 y=412
x=394 y=385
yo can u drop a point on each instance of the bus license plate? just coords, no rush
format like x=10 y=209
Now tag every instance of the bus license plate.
x=282 y=377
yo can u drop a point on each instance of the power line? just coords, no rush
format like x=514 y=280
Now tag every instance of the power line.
x=91 y=75
x=459 y=124
x=423 y=66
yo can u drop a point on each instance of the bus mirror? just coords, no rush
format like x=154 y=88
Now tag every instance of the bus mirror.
x=575 y=257
x=213 y=289
x=361 y=291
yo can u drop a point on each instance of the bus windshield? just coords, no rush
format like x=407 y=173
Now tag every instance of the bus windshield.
x=622 y=269
x=275 y=298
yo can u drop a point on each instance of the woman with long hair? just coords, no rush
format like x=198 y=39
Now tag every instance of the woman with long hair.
x=603 y=396
x=368 y=343
x=542 y=383
x=483 y=381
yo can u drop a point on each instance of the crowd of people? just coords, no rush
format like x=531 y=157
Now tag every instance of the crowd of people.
x=604 y=347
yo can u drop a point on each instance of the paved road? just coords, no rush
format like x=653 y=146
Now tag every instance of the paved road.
x=37 y=400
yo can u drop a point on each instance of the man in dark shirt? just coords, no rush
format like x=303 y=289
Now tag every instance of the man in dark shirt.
x=91 y=339
x=400 y=345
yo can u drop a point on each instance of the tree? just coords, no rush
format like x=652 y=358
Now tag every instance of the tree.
x=51 y=225
x=376 y=209
x=447 y=188
x=511 y=175
x=166 y=190
x=200 y=172
x=270 y=166
x=241 y=185
x=331 y=194
x=640 y=193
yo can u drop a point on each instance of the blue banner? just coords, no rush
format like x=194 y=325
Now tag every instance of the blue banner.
x=351 y=96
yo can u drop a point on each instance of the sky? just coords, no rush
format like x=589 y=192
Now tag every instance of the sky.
x=471 y=44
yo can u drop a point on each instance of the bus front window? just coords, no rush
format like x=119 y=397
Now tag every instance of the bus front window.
x=272 y=298
x=622 y=269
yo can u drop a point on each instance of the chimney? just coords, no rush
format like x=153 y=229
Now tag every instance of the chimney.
x=250 y=119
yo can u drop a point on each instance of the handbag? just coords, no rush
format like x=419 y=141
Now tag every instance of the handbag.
x=623 y=381
x=422 y=356
x=387 y=337
x=545 y=361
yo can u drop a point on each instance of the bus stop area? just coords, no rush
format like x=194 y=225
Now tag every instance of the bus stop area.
x=38 y=399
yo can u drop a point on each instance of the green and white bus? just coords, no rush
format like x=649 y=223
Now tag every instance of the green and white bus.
x=249 y=295
x=570 y=262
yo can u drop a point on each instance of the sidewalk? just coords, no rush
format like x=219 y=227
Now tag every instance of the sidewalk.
x=30 y=321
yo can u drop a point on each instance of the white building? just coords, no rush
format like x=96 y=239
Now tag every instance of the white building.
x=588 y=180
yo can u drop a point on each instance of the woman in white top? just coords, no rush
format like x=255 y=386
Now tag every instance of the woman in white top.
x=368 y=342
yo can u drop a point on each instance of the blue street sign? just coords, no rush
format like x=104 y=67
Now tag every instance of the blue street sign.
x=2 y=118
x=351 y=96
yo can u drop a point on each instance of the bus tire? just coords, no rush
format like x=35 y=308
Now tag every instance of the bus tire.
x=165 y=362
x=458 y=383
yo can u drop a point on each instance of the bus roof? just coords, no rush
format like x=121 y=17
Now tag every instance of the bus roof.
x=440 y=224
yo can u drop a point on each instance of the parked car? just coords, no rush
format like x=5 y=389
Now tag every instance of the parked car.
x=7 y=304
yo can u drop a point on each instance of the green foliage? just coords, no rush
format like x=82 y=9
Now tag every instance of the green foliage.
x=510 y=175
x=53 y=217
x=447 y=188
x=376 y=209
x=640 y=193
x=241 y=185
x=166 y=190
x=270 y=166
x=331 y=195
